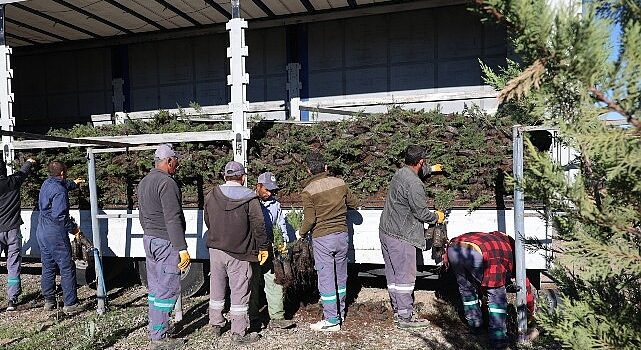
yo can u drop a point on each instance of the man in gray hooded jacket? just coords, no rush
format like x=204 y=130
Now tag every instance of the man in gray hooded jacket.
x=401 y=231
x=236 y=238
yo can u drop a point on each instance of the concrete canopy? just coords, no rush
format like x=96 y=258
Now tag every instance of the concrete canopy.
x=35 y=22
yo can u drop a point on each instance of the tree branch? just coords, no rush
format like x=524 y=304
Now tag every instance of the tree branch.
x=492 y=11
x=615 y=107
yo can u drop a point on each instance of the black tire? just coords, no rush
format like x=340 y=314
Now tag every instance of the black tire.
x=548 y=297
x=191 y=281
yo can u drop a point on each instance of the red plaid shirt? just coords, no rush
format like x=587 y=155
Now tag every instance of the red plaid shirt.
x=498 y=257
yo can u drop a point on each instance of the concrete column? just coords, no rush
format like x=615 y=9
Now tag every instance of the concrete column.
x=238 y=79
x=7 y=121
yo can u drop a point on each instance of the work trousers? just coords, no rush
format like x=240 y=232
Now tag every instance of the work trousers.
x=224 y=267
x=163 y=283
x=11 y=245
x=330 y=262
x=263 y=279
x=55 y=250
x=467 y=264
x=400 y=272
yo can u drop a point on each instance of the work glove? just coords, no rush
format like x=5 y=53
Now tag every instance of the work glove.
x=436 y=168
x=33 y=161
x=79 y=181
x=184 y=260
x=262 y=256
x=440 y=216
x=77 y=233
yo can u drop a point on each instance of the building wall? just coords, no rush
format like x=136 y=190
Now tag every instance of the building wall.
x=416 y=52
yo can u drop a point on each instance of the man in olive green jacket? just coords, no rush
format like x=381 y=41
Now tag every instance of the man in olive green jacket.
x=325 y=201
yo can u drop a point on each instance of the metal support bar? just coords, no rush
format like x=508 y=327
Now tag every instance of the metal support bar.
x=519 y=231
x=333 y=111
x=56 y=20
x=35 y=29
x=264 y=8
x=177 y=11
x=21 y=38
x=135 y=14
x=31 y=136
x=95 y=228
x=308 y=5
x=92 y=16
x=218 y=8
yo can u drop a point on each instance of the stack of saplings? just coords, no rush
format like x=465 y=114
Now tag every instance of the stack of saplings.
x=294 y=262
x=365 y=151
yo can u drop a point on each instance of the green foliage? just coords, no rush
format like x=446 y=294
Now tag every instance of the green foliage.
x=365 y=151
x=598 y=233
x=295 y=218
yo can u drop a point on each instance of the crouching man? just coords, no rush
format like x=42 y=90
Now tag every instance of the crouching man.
x=485 y=260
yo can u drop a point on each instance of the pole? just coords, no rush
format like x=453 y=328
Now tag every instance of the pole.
x=519 y=231
x=7 y=120
x=95 y=228
x=238 y=79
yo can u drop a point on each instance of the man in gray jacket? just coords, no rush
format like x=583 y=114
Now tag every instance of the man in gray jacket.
x=163 y=223
x=236 y=238
x=401 y=232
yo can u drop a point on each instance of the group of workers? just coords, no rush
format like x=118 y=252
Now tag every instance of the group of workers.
x=240 y=227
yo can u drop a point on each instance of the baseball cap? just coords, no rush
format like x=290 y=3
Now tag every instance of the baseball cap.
x=268 y=180
x=234 y=169
x=165 y=151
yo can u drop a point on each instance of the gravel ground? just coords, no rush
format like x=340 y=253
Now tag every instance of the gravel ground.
x=368 y=326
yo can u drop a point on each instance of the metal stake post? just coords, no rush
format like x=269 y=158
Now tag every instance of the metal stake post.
x=519 y=230
x=95 y=228
x=6 y=96
x=238 y=79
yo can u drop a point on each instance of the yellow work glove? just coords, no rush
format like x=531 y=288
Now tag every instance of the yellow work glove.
x=184 y=260
x=441 y=216
x=436 y=168
x=79 y=181
x=262 y=256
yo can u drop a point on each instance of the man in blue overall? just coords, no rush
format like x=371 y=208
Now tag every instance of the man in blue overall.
x=163 y=223
x=10 y=221
x=54 y=227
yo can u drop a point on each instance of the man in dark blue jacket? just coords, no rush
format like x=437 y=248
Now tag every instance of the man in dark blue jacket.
x=10 y=221
x=54 y=227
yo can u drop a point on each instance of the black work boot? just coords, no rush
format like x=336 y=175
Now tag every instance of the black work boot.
x=50 y=304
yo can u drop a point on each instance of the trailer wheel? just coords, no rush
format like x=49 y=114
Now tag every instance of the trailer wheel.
x=550 y=298
x=191 y=281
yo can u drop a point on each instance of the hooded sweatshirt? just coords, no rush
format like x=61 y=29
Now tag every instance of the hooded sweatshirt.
x=234 y=217
x=10 y=198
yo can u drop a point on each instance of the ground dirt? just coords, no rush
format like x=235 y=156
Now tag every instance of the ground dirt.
x=368 y=326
